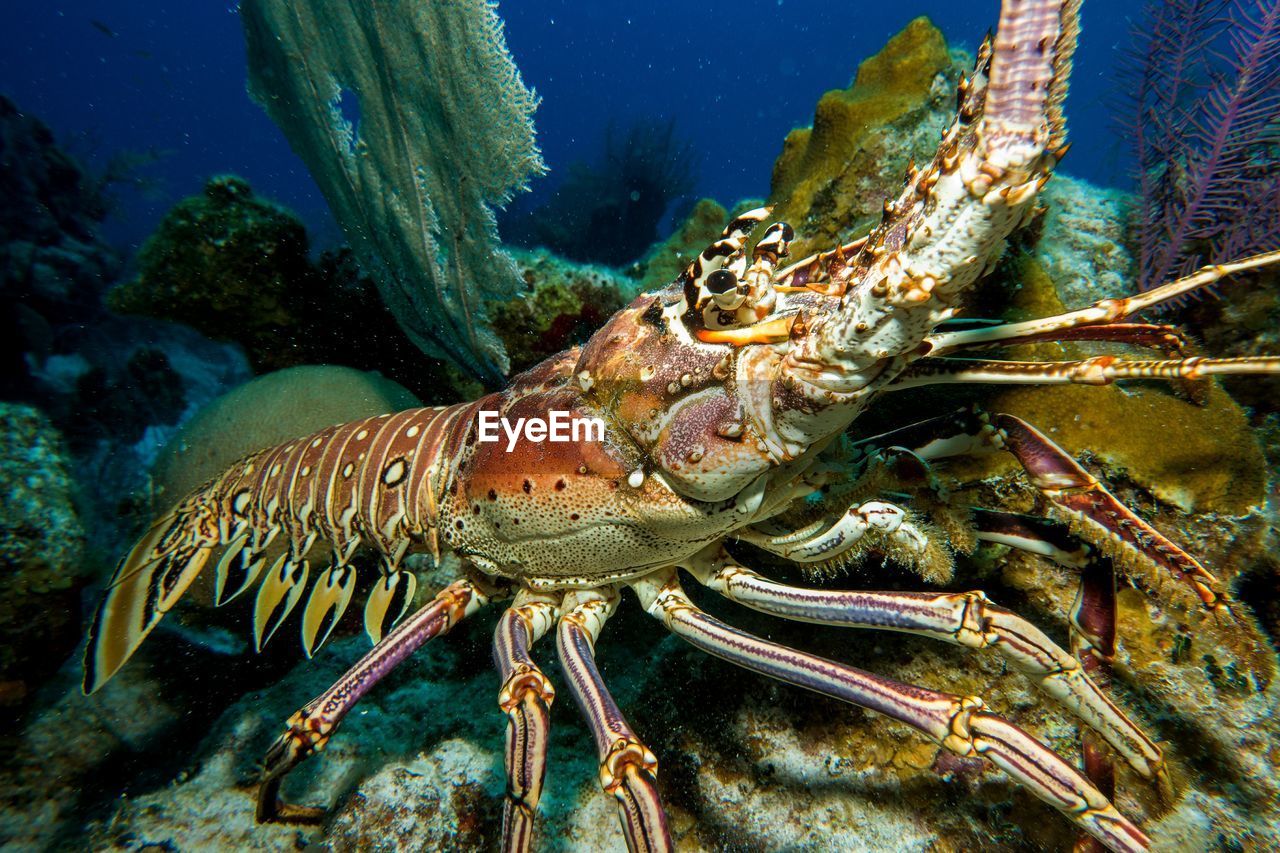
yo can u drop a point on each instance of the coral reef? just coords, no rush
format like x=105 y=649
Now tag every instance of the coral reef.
x=565 y=302
x=53 y=264
x=113 y=386
x=666 y=260
x=270 y=409
x=829 y=181
x=608 y=212
x=41 y=555
x=229 y=264
x=236 y=267
x=1203 y=91
x=444 y=133
x=1083 y=240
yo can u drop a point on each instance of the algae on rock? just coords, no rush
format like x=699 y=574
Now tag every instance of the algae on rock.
x=829 y=180
x=444 y=132
x=668 y=258
x=41 y=554
x=565 y=302
x=227 y=263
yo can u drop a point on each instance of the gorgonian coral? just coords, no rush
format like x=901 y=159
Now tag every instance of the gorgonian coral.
x=415 y=124
x=1204 y=119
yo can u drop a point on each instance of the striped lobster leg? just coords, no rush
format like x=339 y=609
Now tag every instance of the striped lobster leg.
x=1099 y=370
x=958 y=724
x=965 y=618
x=1102 y=315
x=830 y=537
x=1093 y=514
x=627 y=767
x=1080 y=499
x=375 y=482
x=525 y=697
x=1093 y=615
x=310 y=728
x=1096 y=514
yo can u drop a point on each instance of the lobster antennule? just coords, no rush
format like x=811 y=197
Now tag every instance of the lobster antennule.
x=146 y=585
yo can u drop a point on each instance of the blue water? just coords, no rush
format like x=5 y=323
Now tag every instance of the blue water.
x=735 y=77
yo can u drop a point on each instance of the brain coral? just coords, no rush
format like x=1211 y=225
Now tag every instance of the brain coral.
x=266 y=411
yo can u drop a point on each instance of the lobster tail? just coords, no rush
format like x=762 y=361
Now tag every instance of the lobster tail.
x=146 y=585
x=375 y=483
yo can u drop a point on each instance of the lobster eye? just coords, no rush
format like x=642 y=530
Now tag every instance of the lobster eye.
x=721 y=281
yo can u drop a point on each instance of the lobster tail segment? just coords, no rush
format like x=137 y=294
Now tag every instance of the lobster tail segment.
x=146 y=585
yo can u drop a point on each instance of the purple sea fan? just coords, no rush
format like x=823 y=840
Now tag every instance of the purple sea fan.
x=1204 y=118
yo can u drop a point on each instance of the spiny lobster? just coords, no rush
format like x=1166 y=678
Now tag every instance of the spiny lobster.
x=726 y=397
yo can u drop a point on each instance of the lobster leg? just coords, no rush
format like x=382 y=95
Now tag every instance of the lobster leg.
x=957 y=723
x=1093 y=642
x=627 y=767
x=1035 y=535
x=1093 y=620
x=1093 y=615
x=525 y=697
x=827 y=538
x=964 y=618
x=1167 y=339
x=1087 y=502
x=1099 y=370
x=1105 y=311
x=310 y=728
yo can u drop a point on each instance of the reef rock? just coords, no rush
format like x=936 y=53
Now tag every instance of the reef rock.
x=236 y=267
x=53 y=264
x=41 y=550
x=564 y=303
x=227 y=263
x=829 y=181
x=1083 y=240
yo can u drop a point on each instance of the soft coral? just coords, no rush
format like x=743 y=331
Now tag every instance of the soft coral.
x=1205 y=124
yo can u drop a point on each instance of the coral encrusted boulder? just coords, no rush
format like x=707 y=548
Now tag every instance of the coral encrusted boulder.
x=41 y=546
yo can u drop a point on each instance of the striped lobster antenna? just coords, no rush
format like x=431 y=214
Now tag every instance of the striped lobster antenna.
x=345 y=486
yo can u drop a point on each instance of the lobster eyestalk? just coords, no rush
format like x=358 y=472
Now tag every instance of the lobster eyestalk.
x=945 y=230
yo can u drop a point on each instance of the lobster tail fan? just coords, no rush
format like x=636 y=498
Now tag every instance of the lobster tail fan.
x=146 y=585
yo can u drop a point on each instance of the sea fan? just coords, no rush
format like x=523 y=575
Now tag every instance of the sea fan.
x=1205 y=123
x=415 y=124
